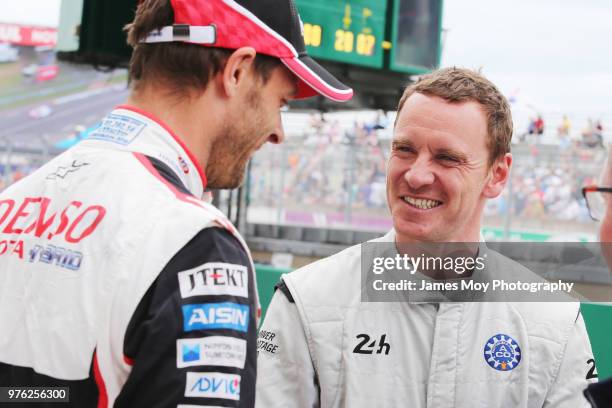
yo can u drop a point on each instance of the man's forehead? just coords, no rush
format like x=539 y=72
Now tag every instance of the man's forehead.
x=439 y=109
x=436 y=117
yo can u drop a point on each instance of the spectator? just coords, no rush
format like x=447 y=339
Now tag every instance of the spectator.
x=591 y=136
x=539 y=125
x=564 y=129
x=599 y=130
x=531 y=129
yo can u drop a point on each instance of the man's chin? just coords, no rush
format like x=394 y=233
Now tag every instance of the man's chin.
x=414 y=233
x=226 y=183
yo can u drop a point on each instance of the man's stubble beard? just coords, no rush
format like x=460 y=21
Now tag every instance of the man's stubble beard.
x=231 y=151
x=224 y=170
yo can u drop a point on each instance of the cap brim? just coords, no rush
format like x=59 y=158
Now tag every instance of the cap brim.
x=314 y=79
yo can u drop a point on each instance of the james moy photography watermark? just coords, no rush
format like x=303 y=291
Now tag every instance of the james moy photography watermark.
x=508 y=272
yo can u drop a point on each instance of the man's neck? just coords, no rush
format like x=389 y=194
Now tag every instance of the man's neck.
x=473 y=236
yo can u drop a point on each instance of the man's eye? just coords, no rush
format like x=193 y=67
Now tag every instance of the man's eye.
x=449 y=159
x=404 y=149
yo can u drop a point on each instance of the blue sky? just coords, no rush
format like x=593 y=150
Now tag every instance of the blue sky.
x=33 y=12
x=558 y=52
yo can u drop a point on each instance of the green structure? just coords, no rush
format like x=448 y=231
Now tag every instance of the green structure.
x=345 y=31
x=598 y=319
x=267 y=277
x=395 y=35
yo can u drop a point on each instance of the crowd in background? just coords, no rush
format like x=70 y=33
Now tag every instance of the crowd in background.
x=545 y=191
x=328 y=169
x=16 y=173
x=591 y=136
x=327 y=166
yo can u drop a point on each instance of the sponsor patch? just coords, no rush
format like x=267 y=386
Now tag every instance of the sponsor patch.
x=213 y=350
x=376 y=346
x=224 y=315
x=266 y=342
x=33 y=215
x=53 y=255
x=502 y=352
x=214 y=278
x=213 y=385
x=118 y=129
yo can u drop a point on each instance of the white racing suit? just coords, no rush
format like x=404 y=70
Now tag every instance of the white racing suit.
x=321 y=346
x=118 y=282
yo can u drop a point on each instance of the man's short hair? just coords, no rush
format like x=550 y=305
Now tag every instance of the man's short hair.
x=182 y=67
x=462 y=85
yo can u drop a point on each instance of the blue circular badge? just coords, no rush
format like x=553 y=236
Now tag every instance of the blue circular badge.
x=502 y=352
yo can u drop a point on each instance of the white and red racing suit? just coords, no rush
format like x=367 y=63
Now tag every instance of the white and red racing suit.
x=119 y=282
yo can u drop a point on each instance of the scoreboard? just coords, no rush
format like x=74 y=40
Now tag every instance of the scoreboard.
x=399 y=35
x=345 y=31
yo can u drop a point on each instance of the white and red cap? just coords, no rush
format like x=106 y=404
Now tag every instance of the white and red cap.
x=271 y=27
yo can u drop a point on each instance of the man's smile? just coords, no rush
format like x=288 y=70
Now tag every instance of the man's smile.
x=421 y=203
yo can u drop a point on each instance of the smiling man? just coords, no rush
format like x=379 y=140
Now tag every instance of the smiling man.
x=321 y=345
x=443 y=164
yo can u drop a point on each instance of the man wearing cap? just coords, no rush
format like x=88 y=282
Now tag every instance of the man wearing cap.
x=323 y=345
x=117 y=280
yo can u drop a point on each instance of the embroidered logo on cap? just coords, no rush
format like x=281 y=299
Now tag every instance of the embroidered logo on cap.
x=502 y=352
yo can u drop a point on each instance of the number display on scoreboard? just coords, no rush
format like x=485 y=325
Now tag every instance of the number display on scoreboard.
x=350 y=31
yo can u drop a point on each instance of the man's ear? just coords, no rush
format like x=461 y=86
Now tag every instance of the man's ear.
x=498 y=177
x=237 y=69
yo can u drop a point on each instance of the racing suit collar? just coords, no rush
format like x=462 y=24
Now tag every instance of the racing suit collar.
x=163 y=144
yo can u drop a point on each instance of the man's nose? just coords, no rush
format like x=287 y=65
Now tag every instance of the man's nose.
x=278 y=135
x=419 y=174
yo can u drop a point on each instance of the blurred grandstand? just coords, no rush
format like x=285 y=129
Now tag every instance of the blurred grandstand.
x=330 y=174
